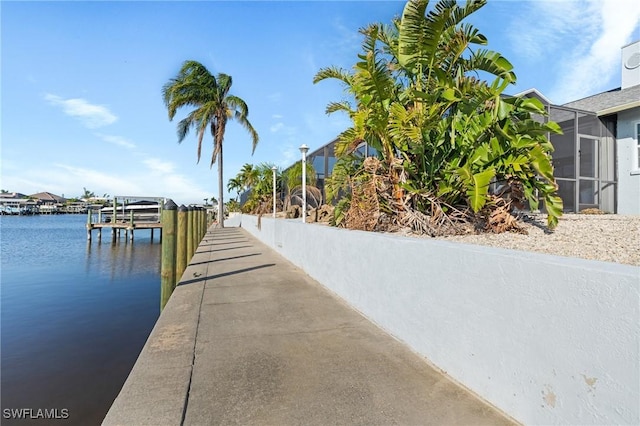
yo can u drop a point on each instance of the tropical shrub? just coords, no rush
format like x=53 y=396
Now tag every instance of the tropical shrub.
x=292 y=183
x=451 y=148
x=258 y=180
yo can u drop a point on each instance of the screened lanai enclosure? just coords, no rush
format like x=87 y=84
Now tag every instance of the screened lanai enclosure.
x=323 y=160
x=584 y=160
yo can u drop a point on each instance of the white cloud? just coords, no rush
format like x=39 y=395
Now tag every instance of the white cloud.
x=347 y=38
x=162 y=182
x=68 y=180
x=581 y=41
x=182 y=190
x=560 y=20
x=287 y=131
x=92 y=116
x=274 y=128
x=277 y=116
x=117 y=140
x=159 y=166
x=288 y=154
x=31 y=185
x=96 y=181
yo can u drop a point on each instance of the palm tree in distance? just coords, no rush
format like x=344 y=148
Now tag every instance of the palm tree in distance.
x=234 y=184
x=195 y=86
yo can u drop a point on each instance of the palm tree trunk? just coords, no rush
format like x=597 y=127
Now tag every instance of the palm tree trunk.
x=220 y=188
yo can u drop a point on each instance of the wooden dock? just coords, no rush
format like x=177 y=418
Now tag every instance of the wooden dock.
x=118 y=227
x=127 y=214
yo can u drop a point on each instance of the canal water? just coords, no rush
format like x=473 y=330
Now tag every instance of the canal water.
x=74 y=317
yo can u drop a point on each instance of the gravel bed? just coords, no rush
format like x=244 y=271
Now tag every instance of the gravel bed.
x=609 y=238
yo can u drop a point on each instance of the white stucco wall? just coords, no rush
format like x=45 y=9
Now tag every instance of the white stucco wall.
x=628 y=167
x=549 y=340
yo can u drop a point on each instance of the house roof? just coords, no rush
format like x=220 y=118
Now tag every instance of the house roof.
x=609 y=102
x=533 y=93
x=12 y=195
x=47 y=196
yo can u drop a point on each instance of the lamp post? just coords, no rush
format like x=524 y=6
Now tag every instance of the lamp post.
x=303 y=149
x=274 y=168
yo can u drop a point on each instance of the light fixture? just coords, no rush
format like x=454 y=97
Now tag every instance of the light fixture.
x=304 y=149
x=274 y=168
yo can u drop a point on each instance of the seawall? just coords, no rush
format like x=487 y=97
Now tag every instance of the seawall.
x=547 y=339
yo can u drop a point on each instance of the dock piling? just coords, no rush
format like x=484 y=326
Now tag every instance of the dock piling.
x=89 y=225
x=190 y=247
x=199 y=225
x=181 y=242
x=168 y=263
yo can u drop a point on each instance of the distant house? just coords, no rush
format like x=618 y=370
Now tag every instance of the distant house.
x=5 y=195
x=17 y=203
x=48 y=198
x=49 y=203
x=76 y=207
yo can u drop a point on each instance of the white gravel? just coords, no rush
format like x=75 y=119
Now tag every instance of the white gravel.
x=609 y=238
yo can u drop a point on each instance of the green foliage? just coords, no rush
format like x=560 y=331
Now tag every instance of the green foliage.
x=233 y=205
x=292 y=182
x=476 y=185
x=339 y=212
x=259 y=181
x=86 y=194
x=339 y=183
x=195 y=87
x=443 y=135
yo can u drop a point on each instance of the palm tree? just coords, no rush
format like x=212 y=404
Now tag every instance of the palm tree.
x=235 y=184
x=86 y=194
x=258 y=179
x=248 y=176
x=195 y=86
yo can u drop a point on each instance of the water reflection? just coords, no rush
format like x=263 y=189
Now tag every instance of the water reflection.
x=123 y=257
x=74 y=315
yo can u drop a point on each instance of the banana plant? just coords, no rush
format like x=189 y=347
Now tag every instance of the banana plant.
x=439 y=129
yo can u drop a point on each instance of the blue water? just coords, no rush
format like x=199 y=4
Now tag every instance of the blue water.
x=74 y=315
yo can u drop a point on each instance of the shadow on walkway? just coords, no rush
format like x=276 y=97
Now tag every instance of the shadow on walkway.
x=251 y=339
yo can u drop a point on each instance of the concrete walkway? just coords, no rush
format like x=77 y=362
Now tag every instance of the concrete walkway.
x=247 y=338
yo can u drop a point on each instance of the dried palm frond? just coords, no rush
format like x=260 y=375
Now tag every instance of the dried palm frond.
x=364 y=210
x=314 y=196
x=497 y=217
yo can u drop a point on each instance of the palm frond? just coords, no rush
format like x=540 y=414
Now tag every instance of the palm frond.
x=491 y=62
x=411 y=32
x=339 y=106
x=334 y=72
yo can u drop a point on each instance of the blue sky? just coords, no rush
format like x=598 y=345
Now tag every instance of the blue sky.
x=81 y=81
